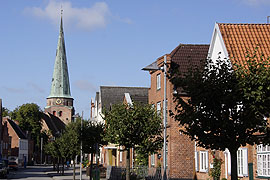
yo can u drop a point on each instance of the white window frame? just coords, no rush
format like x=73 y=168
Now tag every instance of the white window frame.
x=263 y=160
x=121 y=154
x=196 y=156
x=152 y=160
x=158 y=82
x=159 y=107
x=242 y=162
x=203 y=161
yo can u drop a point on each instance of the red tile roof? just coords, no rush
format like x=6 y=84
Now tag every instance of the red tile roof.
x=241 y=38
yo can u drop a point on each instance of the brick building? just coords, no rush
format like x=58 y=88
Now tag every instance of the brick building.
x=180 y=149
x=230 y=41
x=18 y=141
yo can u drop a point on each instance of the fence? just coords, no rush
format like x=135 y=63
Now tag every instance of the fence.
x=136 y=173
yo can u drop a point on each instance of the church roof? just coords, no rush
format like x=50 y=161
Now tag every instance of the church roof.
x=60 y=81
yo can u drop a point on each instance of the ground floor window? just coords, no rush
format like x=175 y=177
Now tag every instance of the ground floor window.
x=203 y=161
x=263 y=161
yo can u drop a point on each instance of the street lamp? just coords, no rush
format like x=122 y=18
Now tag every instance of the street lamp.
x=154 y=67
x=165 y=120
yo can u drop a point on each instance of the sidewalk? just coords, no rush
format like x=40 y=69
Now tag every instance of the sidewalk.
x=68 y=174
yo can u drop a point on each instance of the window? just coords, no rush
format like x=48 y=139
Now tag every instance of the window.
x=60 y=113
x=121 y=155
x=203 y=161
x=158 y=82
x=158 y=107
x=242 y=162
x=263 y=160
x=54 y=113
x=152 y=160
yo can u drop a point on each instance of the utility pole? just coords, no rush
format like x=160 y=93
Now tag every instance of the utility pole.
x=81 y=148
x=165 y=120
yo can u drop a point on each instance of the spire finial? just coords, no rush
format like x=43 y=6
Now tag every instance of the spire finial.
x=61 y=10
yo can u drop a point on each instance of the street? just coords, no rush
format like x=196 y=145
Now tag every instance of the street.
x=31 y=172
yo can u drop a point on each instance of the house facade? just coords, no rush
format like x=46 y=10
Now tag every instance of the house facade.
x=185 y=159
x=180 y=149
x=111 y=155
x=19 y=141
x=235 y=42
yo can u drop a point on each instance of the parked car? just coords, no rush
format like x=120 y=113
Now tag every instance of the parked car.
x=13 y=165
x=3 y=170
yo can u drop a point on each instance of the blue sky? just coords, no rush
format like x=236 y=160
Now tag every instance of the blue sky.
x=107 y=42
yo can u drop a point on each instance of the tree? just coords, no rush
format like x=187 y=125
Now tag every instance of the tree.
x=137 y=126
x=93 y=134
x=69 y=143
x=5 y=112
x=29 y=118
x=214 y=105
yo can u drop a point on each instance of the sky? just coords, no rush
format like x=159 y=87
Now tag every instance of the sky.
x=107 y=42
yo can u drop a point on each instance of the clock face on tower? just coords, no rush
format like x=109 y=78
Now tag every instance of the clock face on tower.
x=58 y=101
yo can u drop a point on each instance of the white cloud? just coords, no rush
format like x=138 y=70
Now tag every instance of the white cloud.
x=85 y=85
x=84 y=18
x=256 y=2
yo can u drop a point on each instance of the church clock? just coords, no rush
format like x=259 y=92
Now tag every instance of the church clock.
x=58 y=101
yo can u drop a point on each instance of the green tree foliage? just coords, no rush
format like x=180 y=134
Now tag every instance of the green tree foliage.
x=29 y=118
x=220 y=110
x=137 y=126
x=93 y=134
x=5 y=112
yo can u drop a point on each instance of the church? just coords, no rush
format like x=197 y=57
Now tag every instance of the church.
x=59 y=110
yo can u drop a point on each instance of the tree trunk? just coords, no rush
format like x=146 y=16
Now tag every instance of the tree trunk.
x=128 y=165
x=57 y=164
x=91 y=166
x=74 y=168
x=63 y=166
x=234 y=175
x=54 y=163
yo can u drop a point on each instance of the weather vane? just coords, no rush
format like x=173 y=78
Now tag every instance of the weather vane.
x=61 y=10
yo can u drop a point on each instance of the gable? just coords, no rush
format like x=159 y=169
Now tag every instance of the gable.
x=217 y=47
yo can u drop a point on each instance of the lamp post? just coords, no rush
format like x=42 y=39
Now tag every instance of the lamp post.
x=165 y=120
x=81 y=148
x=154 y=67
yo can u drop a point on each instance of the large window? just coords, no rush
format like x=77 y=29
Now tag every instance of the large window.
x=158 y=82
x=263 y=160
x=203 y=161
x=242 y=164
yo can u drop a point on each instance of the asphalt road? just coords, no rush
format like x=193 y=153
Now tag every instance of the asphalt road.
x=30 y=173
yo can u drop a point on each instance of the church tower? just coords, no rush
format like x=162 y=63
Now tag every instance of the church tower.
x=60 y=102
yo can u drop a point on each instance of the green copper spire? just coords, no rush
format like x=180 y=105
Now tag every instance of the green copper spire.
x=60 y=81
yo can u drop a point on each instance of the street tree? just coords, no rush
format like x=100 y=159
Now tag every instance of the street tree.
x=217 y=104
x=136 y=126
x=93 y=136
x=69 y=143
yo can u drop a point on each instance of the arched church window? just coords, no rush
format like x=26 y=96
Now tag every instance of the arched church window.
x=54 y=113
x=60 y=113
